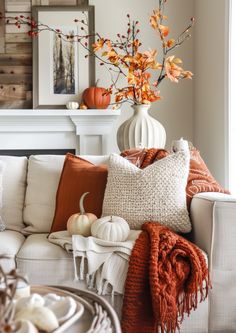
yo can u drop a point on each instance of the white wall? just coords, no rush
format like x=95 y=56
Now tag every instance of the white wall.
x=175 y=110
x=211 y=84
x=232 y=118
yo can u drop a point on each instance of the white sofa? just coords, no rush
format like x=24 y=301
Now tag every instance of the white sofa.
x=29 y=190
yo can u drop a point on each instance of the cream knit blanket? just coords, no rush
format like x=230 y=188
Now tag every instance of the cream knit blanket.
x=101 y=263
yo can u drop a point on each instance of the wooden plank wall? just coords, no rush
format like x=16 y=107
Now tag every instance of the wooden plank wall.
x=16 y=53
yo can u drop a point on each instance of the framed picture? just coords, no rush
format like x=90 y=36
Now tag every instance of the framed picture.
x=61 y=70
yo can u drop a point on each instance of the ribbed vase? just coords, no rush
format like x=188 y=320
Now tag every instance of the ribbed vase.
x=141 y=130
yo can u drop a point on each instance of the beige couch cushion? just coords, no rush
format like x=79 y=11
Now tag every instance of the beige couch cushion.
x=37 y=247
x=44 y=173
x=14 y=185
x=44 y=262
x=10 y=243
x=42 y=181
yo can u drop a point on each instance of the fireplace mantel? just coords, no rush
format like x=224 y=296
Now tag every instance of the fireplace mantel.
x=87 y=131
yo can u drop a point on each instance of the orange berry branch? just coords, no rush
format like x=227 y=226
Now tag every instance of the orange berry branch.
x=123 y=57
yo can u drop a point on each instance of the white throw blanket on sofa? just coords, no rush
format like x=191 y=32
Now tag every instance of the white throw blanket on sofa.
x=102 y=263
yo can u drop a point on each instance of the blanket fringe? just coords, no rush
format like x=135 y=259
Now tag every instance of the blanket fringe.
x=76 y=277
x=93 y=282
x=90 y=280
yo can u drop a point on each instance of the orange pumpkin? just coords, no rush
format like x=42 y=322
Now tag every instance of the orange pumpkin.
x=96 y=98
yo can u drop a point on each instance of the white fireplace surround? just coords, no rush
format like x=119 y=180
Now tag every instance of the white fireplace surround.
x=89 y=132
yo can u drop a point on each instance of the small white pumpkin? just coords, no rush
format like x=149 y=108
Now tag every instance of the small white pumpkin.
x=40 y=316
x=25 y=326
x=80 y=224
x=110 y=228
x=72 y=105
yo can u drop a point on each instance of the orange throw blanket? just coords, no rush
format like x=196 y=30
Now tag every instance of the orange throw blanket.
x=167 y=277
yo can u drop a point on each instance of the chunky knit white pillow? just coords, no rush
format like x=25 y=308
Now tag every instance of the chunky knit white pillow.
x=156 y=193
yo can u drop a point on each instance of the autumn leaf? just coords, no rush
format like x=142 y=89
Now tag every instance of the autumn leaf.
x=98 y=45
x=164 y=30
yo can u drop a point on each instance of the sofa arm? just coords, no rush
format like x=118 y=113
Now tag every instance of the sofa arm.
x=213 y=217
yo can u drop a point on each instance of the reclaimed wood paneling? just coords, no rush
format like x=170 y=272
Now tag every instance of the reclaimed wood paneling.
x=82 y=2
x=18 y=38
x=15 y=59
x=62 y=2
x=15 y=14
x=35 y=3
x=2 y=28
x=10 y=92
x=15 y=70
x=11 y=28
x=15 y=78
x=13 y=104
x=18 y=6
x=16 y=53
x=21 y=48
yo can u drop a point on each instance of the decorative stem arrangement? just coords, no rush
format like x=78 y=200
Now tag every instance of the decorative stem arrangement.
x=123 y=56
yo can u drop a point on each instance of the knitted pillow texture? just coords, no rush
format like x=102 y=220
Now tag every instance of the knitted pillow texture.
x=2 y=225
x=156 y=193
x=200 y=178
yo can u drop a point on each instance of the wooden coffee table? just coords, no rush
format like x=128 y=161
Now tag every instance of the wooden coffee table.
x=98 y=316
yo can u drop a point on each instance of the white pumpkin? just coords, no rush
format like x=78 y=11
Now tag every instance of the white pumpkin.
x=80 y=224
x=25 y=326
x=111 y=228
x=40 y=316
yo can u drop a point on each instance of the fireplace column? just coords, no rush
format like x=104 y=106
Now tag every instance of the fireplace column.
x=94 y=130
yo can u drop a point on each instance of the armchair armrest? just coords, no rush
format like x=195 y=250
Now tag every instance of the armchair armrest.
x=213 y=217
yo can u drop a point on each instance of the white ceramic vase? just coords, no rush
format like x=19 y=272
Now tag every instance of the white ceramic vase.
x=141 y=130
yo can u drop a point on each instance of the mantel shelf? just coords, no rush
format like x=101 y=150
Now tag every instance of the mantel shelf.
x=92 y=127
x=57 y=112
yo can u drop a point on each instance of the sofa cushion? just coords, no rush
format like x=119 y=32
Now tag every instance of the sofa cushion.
x=156 y=193
x=43 y=177
x=42 y=181
x=44 y=262
x=79 y=176
x=37 y=247
x=10 y=243
x=14 y=186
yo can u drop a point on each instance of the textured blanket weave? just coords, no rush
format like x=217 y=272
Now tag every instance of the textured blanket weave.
x=167 y=277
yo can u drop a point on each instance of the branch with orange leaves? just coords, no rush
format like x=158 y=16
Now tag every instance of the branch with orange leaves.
x=123 y=56
x=169 y=64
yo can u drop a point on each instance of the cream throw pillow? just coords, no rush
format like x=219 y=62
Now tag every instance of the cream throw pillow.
x=156 y=193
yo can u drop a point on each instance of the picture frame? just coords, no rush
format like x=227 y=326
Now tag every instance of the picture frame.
x=62 y=70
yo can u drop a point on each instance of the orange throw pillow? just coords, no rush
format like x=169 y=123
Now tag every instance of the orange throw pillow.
x=78 y=176
x=200 y=179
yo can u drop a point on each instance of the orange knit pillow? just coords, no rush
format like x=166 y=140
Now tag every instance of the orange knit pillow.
x=199 y=180
x=78 y=176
